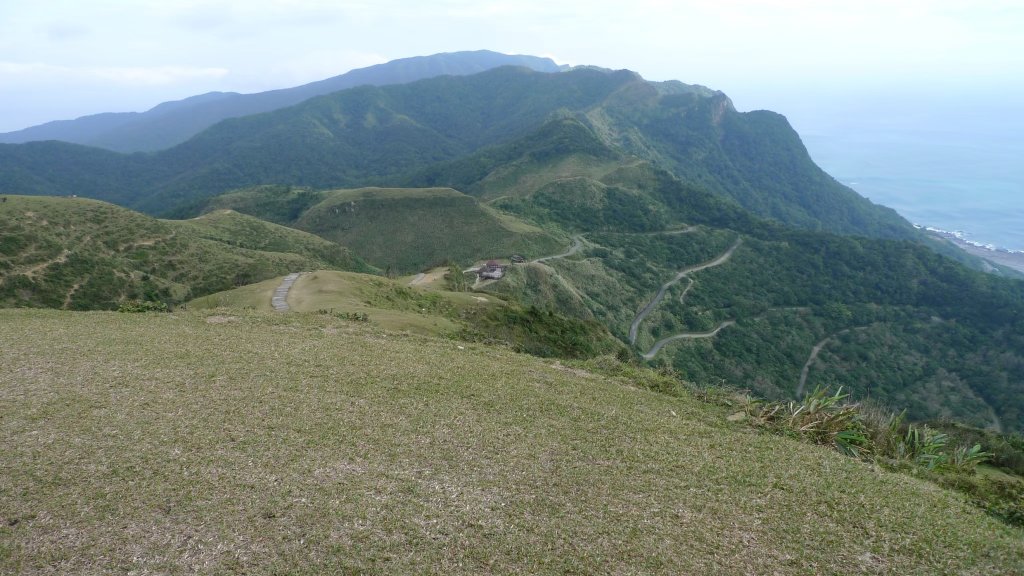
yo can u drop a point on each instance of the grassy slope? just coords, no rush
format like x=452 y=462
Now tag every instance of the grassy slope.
x=78 y=253
x=252 y=233
x=306 y=444
x=412 y=229
x=389 y=304
x=428 y=309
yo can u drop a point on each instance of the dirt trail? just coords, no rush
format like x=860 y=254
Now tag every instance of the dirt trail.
x=686 y=230
x=71 y=292
x=634 y=327
x=147 y=242
x=814 y=354
x=419 y=278
x=280 y=298
x=31 y=271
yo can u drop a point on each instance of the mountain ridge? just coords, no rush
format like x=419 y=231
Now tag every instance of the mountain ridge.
x=173 y=122
x=378 y=136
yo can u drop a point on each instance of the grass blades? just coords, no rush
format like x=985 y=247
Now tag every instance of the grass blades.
x=260 y=443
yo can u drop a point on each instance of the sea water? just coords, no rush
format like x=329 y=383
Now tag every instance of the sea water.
x=956 y=168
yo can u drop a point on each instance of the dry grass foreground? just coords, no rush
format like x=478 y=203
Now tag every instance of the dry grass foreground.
x=304 y=444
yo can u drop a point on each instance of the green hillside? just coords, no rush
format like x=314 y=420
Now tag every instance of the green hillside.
x=675 y=251
x=513 y=161
x=409 y=306
x=301 y=444
x=382 y=302
x=251 y=233
x=409 y=229
x=398 y=230
x=82 y=254
x=937 y=346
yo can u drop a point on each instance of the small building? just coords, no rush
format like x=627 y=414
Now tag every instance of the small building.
x=517 y=259
x=492 y=270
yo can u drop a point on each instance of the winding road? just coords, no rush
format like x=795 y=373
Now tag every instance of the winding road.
x=577 y=244
x=685 y=336
x=634 y=327
x=574 y=247
x=280 y=298
x=686 y=230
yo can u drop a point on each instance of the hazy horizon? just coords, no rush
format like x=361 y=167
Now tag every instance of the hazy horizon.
x=65 y=59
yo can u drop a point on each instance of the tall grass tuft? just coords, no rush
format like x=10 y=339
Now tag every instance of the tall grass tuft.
x=820 y=417
x=923 y=446
x=826 y=418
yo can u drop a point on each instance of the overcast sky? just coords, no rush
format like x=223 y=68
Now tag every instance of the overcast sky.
x=66 y=58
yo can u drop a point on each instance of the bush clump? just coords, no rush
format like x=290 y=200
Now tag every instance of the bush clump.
x=138 y=306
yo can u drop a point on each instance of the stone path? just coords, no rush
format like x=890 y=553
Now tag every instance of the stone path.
x=280 y=299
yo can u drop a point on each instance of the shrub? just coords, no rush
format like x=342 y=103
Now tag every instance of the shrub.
x=964 y=459
x=820 y=417
x=457 y=280
x=924 y=446
x=137 y=306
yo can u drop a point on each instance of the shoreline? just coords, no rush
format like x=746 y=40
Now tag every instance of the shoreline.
x=1013 y=260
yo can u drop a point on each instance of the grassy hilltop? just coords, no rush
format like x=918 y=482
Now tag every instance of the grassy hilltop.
x=401 y=230
x=75 y=253
x=254 y=443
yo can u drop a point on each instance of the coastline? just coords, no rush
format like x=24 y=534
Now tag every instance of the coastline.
x=1010 y=259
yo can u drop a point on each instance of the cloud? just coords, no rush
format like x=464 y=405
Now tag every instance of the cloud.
x=157 y=76
x=124 y=75
x=66 y=31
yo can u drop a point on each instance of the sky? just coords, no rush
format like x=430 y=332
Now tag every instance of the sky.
x=62 y=59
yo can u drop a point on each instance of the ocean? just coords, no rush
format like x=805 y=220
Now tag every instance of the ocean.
x=954 y=167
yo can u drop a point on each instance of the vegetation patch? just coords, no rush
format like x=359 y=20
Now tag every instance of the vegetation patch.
x=539 y=332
